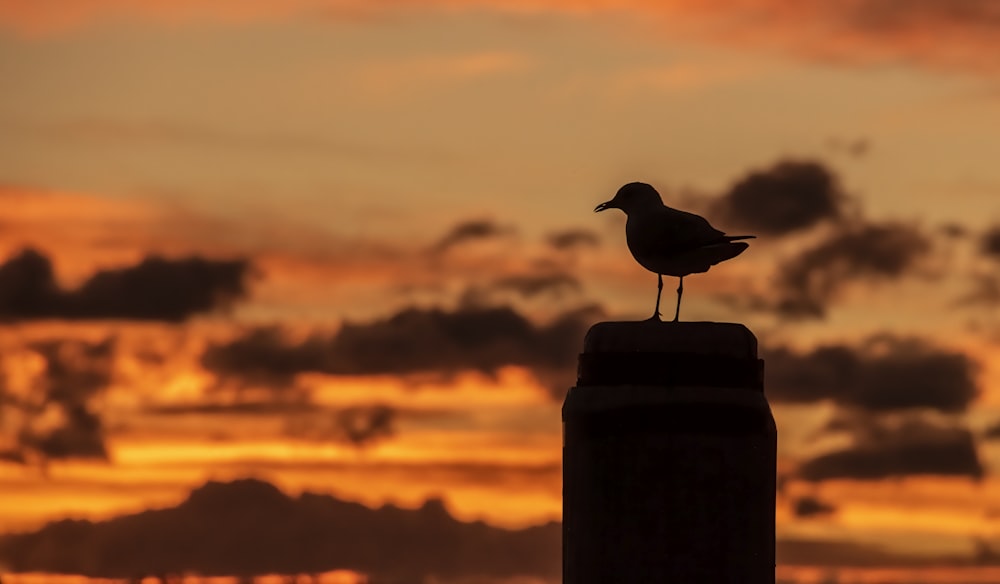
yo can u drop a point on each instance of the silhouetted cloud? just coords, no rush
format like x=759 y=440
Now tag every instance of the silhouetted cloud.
x=787 y=197
x=990 y=242
x=883 y=373
x=155 y=289
x=573 y=238
x=249 y=527
x=872 y=252
x=57 y=418
x=811 y=507
x=412 y=341
x=469 y=231
x=881 y=449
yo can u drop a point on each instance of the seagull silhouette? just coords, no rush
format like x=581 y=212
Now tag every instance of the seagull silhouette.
x=670 y=242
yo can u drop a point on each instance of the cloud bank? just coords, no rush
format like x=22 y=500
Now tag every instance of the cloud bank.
x=156 y=289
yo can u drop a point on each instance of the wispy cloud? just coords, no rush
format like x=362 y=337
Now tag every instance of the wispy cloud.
x=945 y=34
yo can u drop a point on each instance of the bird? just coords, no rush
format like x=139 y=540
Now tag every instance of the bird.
x=668 y=241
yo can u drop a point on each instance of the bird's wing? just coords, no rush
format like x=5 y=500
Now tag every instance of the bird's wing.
x=670 y=231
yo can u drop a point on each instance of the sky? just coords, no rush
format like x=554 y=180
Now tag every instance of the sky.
x=344 y=253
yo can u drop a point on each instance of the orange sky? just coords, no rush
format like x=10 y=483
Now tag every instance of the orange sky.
x=243 y=203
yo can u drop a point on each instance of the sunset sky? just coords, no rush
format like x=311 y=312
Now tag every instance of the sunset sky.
x=349 y=248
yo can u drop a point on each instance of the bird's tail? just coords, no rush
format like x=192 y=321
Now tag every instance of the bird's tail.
x=739 y=237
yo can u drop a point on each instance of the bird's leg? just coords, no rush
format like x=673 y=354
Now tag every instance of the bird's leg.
x=659 y=292
x=680 y=291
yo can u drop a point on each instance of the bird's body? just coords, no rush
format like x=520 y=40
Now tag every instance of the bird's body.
x=670 y=242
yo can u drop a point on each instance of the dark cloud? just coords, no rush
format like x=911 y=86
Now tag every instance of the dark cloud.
x=912 y=446
x=787 y=197
x=810 y=282
x=412 y=341
x=573 y=238
x=58 y=419
x=881 y=374
x=265 y=355
x=992 y=432
x=155 y=289
x=556 y=284
x=469 y=231
x=249 y=527
x=989 y=243
x=811 y=507
x=80 y=434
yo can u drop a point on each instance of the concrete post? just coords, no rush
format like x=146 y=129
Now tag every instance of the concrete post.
x=669 y=458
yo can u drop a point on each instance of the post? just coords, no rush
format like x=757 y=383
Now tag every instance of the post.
x=669 y=457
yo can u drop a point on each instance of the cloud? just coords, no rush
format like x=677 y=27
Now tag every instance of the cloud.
x=550 y=283
x=811 y=507
x=808 y=283
x=57 y=417
x=412 y=341
x=839 y=553
x=985 y=291
x=155 y=289
x=990 y=242
x=942 y=34
x=530 y=285
x=573 y=238
x=360 y=425
x=881 y=374
x=357 y=425
x=249 y=527
x=787 y=197
x=856 y=147
x=470 y=230
x=992 y=432
x=881 y=449
x=937 y=34
x=108 y=131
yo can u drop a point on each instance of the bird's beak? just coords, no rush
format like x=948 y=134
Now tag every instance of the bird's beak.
x=603 y=206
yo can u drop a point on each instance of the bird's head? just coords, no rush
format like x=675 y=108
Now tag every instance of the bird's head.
x=632 y=197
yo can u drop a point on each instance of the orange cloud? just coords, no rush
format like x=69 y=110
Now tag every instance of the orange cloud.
x=954 y=34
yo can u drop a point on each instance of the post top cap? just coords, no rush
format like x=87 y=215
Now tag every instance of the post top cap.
x=650 y=336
